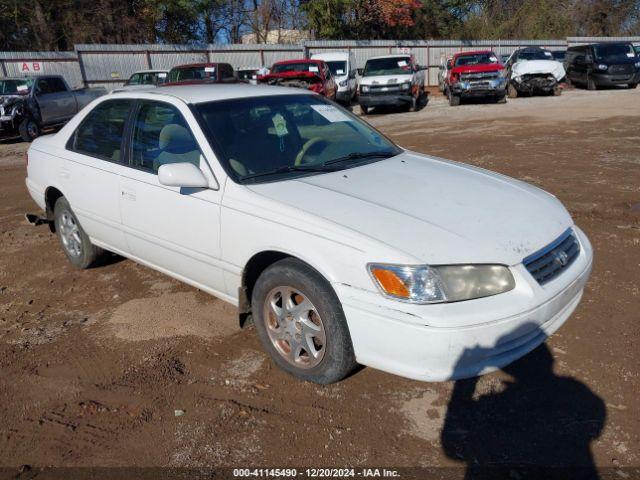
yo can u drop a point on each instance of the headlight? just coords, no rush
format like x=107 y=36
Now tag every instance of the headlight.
x=446 y=283
x=637 y=64
x=405 y=86
x=602 y=66
x=518 y=79
x=364 y=88
x=343 y=83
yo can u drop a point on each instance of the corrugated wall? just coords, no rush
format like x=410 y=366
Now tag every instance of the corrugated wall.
x=111 y=65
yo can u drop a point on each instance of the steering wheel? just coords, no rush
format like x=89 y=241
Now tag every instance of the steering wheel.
x=306 y=147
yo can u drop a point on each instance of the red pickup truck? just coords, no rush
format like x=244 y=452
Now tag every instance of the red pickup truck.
x=477 y=74
x=313 y=75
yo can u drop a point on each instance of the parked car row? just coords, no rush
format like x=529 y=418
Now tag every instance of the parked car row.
x=535 y=70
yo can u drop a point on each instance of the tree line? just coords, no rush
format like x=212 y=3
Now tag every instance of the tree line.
x=59 y=24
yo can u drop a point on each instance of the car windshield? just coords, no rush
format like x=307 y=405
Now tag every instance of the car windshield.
x=387 y=66
x=337 y=67
x=476 y=59
x=535 y=55
x=183 y=74
x=614 y=51
x=295 y=67
x=271 y=138
x=15 y=87
x=559 y=55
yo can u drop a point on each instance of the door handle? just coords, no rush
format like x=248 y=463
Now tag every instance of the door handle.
x=128 y=194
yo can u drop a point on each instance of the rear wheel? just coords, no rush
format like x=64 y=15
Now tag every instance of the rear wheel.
x=29 y=129
x=75 y=242
x=301 y=324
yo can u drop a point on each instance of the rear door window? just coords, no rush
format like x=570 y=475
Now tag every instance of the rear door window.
x=100 y=134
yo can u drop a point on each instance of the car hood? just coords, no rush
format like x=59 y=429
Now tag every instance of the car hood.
x=385 y=79
x=480 y=68
x=436 y=211
x=7 y=100
x=528 y=67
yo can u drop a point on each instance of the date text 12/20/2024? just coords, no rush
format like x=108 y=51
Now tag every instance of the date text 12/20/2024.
x=314 y=473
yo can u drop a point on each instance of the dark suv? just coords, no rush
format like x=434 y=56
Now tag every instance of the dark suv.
x=603 y=64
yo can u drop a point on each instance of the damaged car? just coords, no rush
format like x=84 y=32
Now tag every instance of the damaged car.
x=477 y=74
x=311 y=75
x=533 y=70
x=29 y=104
x=340 y=246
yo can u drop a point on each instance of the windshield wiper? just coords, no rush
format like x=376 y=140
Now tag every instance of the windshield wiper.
x=362 y=155
x=287 y=169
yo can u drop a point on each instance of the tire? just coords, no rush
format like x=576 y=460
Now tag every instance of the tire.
x=74 y=241
x=512 y=92
x=364 y=110
x=632 y=85
x=454 y=100
x=501 y=99
x=591 y=85
x=29 y=129
x=322 y=319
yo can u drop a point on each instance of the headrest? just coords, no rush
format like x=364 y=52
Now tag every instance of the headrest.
x=175 y=137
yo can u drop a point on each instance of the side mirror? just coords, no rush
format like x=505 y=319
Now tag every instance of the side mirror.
x=182 y=175
x=360 y=70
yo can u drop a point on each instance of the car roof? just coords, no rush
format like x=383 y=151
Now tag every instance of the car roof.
x=397 y=55
x=159 y=70
x=300 y=60
x=213 y=92
x=197 y=65
x=473 y=52
x=330 y=56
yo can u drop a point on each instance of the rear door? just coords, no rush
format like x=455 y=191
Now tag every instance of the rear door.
x=173 y=229
x=90 y=179
x=56 y=103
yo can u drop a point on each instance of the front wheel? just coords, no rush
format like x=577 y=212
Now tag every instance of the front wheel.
x=364 y=110
x=301 y=324
x=75 y=242
x=29 y=129
x=591 y=84
x=632 y=85
x=454 y=100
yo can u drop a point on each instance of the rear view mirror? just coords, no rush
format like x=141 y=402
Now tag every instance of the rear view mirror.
x=182 y=175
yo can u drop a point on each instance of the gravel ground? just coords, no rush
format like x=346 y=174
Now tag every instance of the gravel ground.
x=94 y=364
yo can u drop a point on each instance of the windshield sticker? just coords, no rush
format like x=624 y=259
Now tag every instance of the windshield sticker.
x=493 y=59
x=209 y=69
x=313 y=68
x=22 y=88
x=402 y=63
x=630 y=55
x=331 y=113
x=162 y=75
x=339 y=72
x=548 y=54
x=280 y=125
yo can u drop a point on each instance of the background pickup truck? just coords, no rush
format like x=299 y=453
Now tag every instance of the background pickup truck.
x=477 y=74
x=29 y=104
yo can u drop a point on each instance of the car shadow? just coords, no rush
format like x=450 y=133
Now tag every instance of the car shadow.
x=536 y=425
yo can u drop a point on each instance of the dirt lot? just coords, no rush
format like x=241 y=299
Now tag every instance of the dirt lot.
x=94 y=364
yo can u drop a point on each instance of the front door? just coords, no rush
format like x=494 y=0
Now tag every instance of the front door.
x=172 y=229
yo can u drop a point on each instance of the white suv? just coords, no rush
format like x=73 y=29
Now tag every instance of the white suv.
x=341 y=246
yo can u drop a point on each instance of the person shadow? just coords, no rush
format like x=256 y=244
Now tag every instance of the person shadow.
x=538 y=425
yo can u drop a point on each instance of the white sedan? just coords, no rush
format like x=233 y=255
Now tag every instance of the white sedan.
x=342 y=247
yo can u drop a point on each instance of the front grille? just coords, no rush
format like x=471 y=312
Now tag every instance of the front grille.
x=384 y=89
x=621 y=69
x=546 y=264
x=481 y=76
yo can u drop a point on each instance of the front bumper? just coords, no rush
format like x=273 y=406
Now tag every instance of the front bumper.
x=610 y=80
x=535 y=84
x=494 y=88
x=344 y=95
x=386 y=100
x=7 y=128
x=415 y=342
